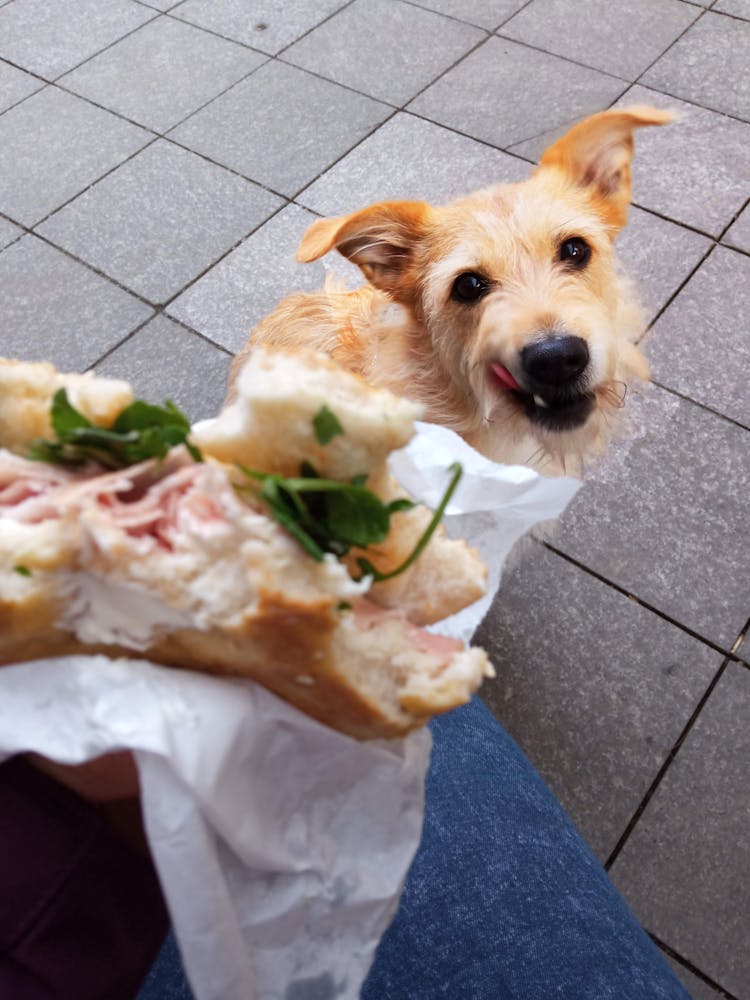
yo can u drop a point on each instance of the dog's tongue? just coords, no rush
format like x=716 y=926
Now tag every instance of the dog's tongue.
x=505 y=377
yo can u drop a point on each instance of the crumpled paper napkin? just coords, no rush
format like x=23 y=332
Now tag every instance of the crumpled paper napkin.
x=281 y=845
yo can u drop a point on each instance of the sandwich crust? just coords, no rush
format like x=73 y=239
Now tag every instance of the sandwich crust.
x=26 y=391
x=165 y=561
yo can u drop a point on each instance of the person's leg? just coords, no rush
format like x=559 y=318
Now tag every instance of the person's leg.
x=504 y=900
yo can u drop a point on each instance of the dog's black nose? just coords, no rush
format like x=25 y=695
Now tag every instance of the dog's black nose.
x=555 y=360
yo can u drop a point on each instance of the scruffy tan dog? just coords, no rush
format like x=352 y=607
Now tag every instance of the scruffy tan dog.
x=502 y=312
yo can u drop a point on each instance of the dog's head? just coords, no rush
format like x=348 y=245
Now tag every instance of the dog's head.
x=515 y=287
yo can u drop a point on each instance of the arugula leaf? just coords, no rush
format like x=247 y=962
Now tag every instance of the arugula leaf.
x=141 y=431
x=326 y=425
x=22 y=570
x=329 y=516
x=64 y=416
x=369 y=570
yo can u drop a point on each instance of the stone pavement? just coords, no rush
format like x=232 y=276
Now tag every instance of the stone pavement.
x=158 y=163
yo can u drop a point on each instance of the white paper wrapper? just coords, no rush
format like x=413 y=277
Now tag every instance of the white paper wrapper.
x=281 y=845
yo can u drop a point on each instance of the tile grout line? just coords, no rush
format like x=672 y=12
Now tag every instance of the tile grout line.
x=293 y=200
x=567 y=59
x=413 y=97
x=159 y=311
x=403 y=108
x=156 y=15
x=168 y=302
x=722 y=650
x=396 y=110
x=92 y=267
x=687 y=964
x=701 y=405
x=665 y=766
x=460 y=20
x=268 y=55
x=670 y=46
x=715 y=242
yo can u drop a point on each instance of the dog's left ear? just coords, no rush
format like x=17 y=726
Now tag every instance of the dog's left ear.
x=596 y=154
x=380 y=240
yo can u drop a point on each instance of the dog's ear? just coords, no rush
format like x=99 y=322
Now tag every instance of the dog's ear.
x=380 y=240
x=596 y=154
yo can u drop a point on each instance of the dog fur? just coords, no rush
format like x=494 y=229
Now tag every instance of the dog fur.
x=477 y=364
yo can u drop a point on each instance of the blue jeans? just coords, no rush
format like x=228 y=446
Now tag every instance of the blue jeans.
x=504 y=901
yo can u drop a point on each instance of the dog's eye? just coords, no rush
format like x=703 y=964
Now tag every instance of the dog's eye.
x=575 y=251
x=469 y=287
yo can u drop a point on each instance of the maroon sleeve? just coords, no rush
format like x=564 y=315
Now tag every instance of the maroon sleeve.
x=81 y=914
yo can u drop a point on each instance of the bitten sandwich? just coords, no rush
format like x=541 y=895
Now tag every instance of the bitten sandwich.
x=269 y=543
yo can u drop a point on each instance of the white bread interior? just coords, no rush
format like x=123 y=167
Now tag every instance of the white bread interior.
x=268 y=424
x=230 y=594
x=238 y=595
x=26 y=391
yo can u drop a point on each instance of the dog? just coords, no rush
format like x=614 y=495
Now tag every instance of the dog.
x=503 y=312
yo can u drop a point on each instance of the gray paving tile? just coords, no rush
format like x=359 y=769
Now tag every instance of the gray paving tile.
x=164 y=361
x=662 y=516
x=162 y=5
x=55 y=309
x=744 y=649
x=738 y=235
x=264 y=24
x=622 y=38
x=281 y=126
x=8 y=232
x=698 y=989
x=737 y=8
x=708 y=65
x=80 y=143
x=51 y=38
x=15 y=85
x=160 y=219
x=595 y=688
x=696 y=170
x=160 y=74
x=488 y=14
x=686 y=868
x=701 y=345
x=414 y=45
x=227 y=302
x=473 y=97
x=658 y=255
x=391 y=163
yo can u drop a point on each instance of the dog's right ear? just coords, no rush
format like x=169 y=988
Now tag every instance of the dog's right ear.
x=380 y=240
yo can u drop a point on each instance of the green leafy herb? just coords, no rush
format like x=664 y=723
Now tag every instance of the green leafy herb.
x=328 y=516
x=326 y=425
x=22 y=570
x=369 y=570
x=141 y=431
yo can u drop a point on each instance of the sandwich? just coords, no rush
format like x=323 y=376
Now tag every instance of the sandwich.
x=269 y=543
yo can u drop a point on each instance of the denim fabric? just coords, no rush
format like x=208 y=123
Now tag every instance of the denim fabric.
x=504 y=901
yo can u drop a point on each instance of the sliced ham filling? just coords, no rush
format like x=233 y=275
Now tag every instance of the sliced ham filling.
x=167 y=501
x=146 y=499
x=368 y=615
x=27 y=488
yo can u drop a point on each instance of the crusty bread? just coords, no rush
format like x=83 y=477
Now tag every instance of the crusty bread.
x=447 y=577
x=26 y=391
x=168 y=561
x=268 y=424
x=165 y=561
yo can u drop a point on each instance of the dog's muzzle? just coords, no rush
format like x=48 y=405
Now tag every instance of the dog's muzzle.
x=553 y=389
